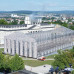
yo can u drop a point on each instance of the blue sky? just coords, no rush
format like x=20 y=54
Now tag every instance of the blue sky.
x=37 y=5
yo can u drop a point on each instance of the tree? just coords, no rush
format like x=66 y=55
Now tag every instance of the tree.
x=7 y=67
x=14 y=22
x=8 y=63
x=63 y=58
x=16 y=63
x=72 y=72
x=3 y=22
x=72 y=27
x=21 y=22
x=1 y=62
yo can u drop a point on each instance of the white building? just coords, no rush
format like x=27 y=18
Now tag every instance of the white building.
x=14 y=15
x=36 y=44
x=32 y=20
x=28 y=20
x=8 y=29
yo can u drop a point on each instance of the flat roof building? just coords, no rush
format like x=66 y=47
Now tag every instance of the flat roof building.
x=36 y=44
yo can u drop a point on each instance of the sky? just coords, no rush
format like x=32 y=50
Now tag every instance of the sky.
x=36 y=5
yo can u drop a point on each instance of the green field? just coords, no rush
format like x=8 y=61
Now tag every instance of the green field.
x=50 y=57
x=35 y=63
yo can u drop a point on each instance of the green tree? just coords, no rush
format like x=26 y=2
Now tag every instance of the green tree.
x=72 y=72
x=63 y=58
x=3 y=22
x=1 y=62
x=21 y=22
x=14 y=22
x=65 y=24
x=72 y=27
x=7 y=63
x=16 y=63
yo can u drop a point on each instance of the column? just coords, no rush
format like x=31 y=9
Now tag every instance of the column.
x=51 y=50
x=17 y=48
x=25 y=46
x=9 y=48
x=5 y=46
x=30 y=49
x=21 y=48
x=13 y=47
x=42 y=53
x=35 y=50
x=54 y=49
x=48 y=51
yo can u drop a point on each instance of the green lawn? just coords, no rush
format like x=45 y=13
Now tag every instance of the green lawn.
x=50 y=57
x=35 y=63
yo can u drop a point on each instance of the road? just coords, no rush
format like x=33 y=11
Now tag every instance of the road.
x=34 y=59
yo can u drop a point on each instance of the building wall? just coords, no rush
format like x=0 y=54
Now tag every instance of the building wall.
x=20 y=47
x=27 y=20
x=38 y=43
x=52 y=45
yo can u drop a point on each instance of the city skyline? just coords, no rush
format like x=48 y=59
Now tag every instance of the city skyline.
x=36 y=5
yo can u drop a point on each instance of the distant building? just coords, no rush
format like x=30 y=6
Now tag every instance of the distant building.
x=14 y=15
x=32 y=20
x=28 y=20
x=36 y=44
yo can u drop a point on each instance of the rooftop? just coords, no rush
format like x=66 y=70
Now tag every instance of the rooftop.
x=42 y=35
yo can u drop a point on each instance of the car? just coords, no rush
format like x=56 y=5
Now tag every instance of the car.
x=42 y=58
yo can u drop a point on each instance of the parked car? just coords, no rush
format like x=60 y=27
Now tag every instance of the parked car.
x=42 y=58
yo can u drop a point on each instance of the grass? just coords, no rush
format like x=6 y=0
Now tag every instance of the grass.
x=35 y=63
x=50 y=57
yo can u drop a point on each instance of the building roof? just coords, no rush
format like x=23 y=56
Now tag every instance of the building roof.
x=12 y=26
x=42 y=35
x=16 y=27
x=19 y=36
x=46 y=35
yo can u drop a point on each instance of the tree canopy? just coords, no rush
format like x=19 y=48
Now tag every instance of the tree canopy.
x=16 y=63
x=8 y=63
x=64 y=59
x=21 y=22
x=3 y=22
x=15 y=22
x=1 y=60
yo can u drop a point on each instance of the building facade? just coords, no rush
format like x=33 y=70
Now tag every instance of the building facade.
x=20 y=44
x=38 y=44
